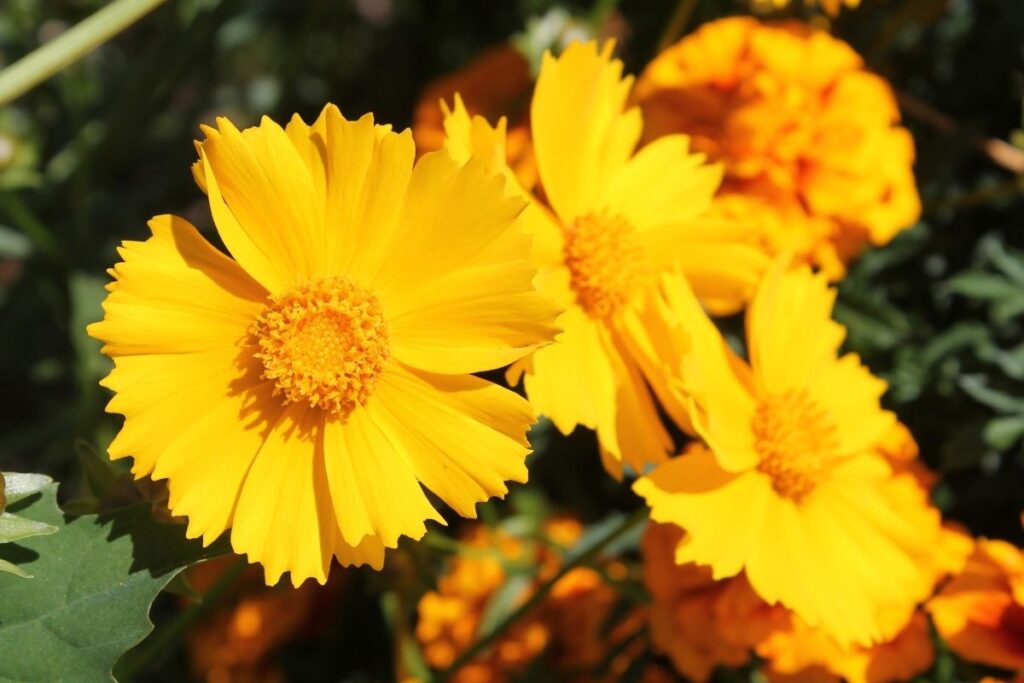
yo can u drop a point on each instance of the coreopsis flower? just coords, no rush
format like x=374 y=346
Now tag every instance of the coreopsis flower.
x=304 y=390
x=495 y=84
x=792 y=490
x=607 y=222
x=980 y=612
x=811 y=142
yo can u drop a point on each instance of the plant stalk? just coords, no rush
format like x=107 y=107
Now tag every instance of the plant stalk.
x=70 y=46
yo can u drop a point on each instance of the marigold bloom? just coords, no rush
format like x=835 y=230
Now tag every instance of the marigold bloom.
x=236 y=641
x=608 y=222
x=980 y=613
x=811 y=142
x=801 y=651
x=495 y=84
x=301 y=392
x=793 y=492
x=568 y=626
x=697 y=622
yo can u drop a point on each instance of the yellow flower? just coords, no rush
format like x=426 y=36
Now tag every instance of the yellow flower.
x=811 y=141
x=607 y=222
x=301 y=392
x=980 y=613
x=793 y=492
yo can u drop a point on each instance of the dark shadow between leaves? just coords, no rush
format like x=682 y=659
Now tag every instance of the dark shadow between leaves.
x=157 y=548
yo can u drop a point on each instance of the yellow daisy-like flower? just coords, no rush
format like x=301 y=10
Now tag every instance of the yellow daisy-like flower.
x=304 y=391
x=811 y=142
x=606 y=223
x=793 y=490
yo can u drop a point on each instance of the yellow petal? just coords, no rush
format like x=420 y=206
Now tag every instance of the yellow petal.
x=851 y=394
x=722 y=513
x=454 y=217
x=463 y=436
x=367 y=175
x=468 y=136
x=474 y=319
x=582 y=136
x=284 y=519
x=790 y=331
x=664 y=184
x=720 y=259
x=278 y=231
x=372 y=481
x=175 y=293
x=714 y=381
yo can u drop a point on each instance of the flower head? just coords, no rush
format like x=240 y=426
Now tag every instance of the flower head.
x=304 y=390
x=811 y=142
x=793 y=490
x=607 y=220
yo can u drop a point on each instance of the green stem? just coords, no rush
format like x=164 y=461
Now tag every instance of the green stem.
x=30 y=226
x=677 y=23
x=83 y=38
x=136 y=661
x=584 y=556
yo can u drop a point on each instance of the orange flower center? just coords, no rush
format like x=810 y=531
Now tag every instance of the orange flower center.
x=324 y=342
x=606 y=261
x=796 y=439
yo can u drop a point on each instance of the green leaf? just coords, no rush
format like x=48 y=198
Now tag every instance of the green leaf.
x=6 y=566
x=996 y=400
x=20 y=486
x=94 y=583
x=509 y=595
x=1003 y=432
x=980 y=285
x=14 y=528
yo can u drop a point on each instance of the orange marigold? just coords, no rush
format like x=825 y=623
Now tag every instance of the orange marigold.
x=813 y=149
x=980 y=613
x=236 y=642
x=569 y=627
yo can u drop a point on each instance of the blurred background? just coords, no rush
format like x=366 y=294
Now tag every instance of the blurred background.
x=87 y=157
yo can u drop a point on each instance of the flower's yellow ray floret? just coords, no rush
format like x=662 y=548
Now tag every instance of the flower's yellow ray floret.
x=325 y=342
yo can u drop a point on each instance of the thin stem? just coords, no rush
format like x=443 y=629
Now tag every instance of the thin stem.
x=136 y=661
x=584 y=556
x=73 y=44
x=677 y=23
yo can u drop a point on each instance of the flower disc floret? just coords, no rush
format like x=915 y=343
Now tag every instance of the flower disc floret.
x=796 y=439
x=606 y=262
x=324 y=342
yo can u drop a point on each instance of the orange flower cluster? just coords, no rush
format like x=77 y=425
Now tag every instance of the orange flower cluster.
x=700 y=623
x=234 y=644
x=568 y=628
x=811 y=141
